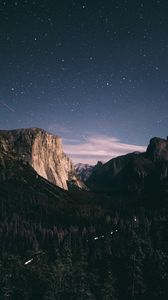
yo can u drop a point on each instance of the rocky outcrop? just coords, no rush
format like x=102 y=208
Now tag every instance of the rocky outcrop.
x=83 y=171
x=111 y=174
x=135 y=171
x=157 y=149
x=43 y=151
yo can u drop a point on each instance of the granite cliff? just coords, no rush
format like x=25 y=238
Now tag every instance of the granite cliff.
x=84 y=171
x=41 y=150
x=158 y=149
x=136 y=172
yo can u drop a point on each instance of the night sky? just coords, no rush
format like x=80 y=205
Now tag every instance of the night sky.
x=93 y=72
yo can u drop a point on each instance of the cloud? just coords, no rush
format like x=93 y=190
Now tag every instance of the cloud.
x=98 y=148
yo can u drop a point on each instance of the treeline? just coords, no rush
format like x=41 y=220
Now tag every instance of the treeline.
x=119 y=255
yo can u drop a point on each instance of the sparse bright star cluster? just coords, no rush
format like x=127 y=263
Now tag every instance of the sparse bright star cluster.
x=93 y=67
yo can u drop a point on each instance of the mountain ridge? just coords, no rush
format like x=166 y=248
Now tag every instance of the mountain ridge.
x=43 y=151
x=134 y=171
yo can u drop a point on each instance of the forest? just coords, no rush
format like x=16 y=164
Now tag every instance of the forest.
x=87 y=246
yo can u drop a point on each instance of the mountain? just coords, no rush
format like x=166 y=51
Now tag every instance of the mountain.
x=83 y=171
x=41 y=150
x=157 y=149
x=77 y=244
x=25 y=193
x=135 y=171
x=111 y=174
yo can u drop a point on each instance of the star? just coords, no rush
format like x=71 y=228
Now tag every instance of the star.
x=93 y=67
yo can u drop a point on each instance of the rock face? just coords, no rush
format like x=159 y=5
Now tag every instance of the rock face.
x=158 y=149
x=43 y=151
x=135 y=171
x=83 y=171
x=111 y=174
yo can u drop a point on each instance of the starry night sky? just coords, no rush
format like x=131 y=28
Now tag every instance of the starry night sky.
x=85 y=70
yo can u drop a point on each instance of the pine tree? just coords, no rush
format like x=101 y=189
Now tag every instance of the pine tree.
x=135 y=284
x=108 y=291
x=81 y=280
x=156 y=274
